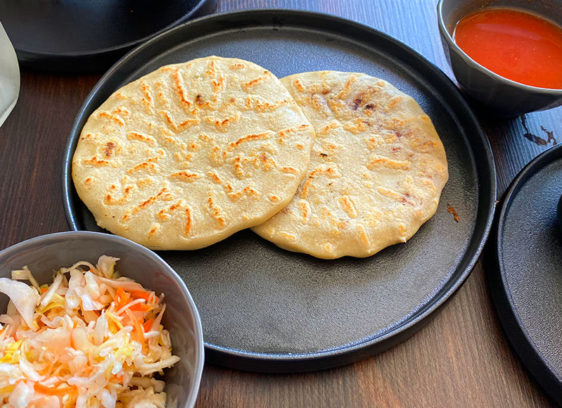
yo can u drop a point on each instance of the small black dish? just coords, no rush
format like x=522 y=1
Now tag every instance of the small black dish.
x=88 y=36
x=525 y=269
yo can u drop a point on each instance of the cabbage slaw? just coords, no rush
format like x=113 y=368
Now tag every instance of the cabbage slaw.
x=89 y=339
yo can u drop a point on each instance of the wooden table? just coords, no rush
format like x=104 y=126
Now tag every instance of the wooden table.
x=461 y=358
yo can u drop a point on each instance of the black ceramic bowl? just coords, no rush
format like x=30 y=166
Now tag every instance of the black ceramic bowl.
x=89 y=35
x=46 y=253
x=504 y=96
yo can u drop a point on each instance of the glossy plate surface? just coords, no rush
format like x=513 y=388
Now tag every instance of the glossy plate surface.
x=525 y=269
x=271 y=310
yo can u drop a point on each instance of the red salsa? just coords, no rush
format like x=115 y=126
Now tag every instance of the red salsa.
x=514 y=44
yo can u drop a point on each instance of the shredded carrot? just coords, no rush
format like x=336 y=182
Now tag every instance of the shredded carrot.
x=140 y=294
x=113 y=328
x=140 y=307
x=121 y=298
x=148 y=325
x=54 y=390
x=137 y=333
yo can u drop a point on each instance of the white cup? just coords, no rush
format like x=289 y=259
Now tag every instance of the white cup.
x=9 y=76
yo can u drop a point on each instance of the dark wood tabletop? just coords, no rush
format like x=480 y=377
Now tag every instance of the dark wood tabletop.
x=461 y=358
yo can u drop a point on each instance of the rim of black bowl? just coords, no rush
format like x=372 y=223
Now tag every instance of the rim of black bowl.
x=173 y=274
x=445 y=33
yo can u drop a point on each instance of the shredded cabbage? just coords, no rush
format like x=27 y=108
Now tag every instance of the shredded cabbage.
x=90 y=339
x=23 y=297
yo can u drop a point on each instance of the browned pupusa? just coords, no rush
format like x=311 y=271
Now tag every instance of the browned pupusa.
x=191 y=153
x=376 y=172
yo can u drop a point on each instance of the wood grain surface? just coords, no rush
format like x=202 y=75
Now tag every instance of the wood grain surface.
x=460 y=359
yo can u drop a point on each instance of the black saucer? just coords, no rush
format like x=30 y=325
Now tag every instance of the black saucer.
x=525 y=269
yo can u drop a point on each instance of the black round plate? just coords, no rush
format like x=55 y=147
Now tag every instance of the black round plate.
x=267 y=309
x=88 y=35
x=525 y=269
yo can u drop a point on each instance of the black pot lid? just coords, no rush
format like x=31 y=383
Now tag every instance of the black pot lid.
x=525 y=273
